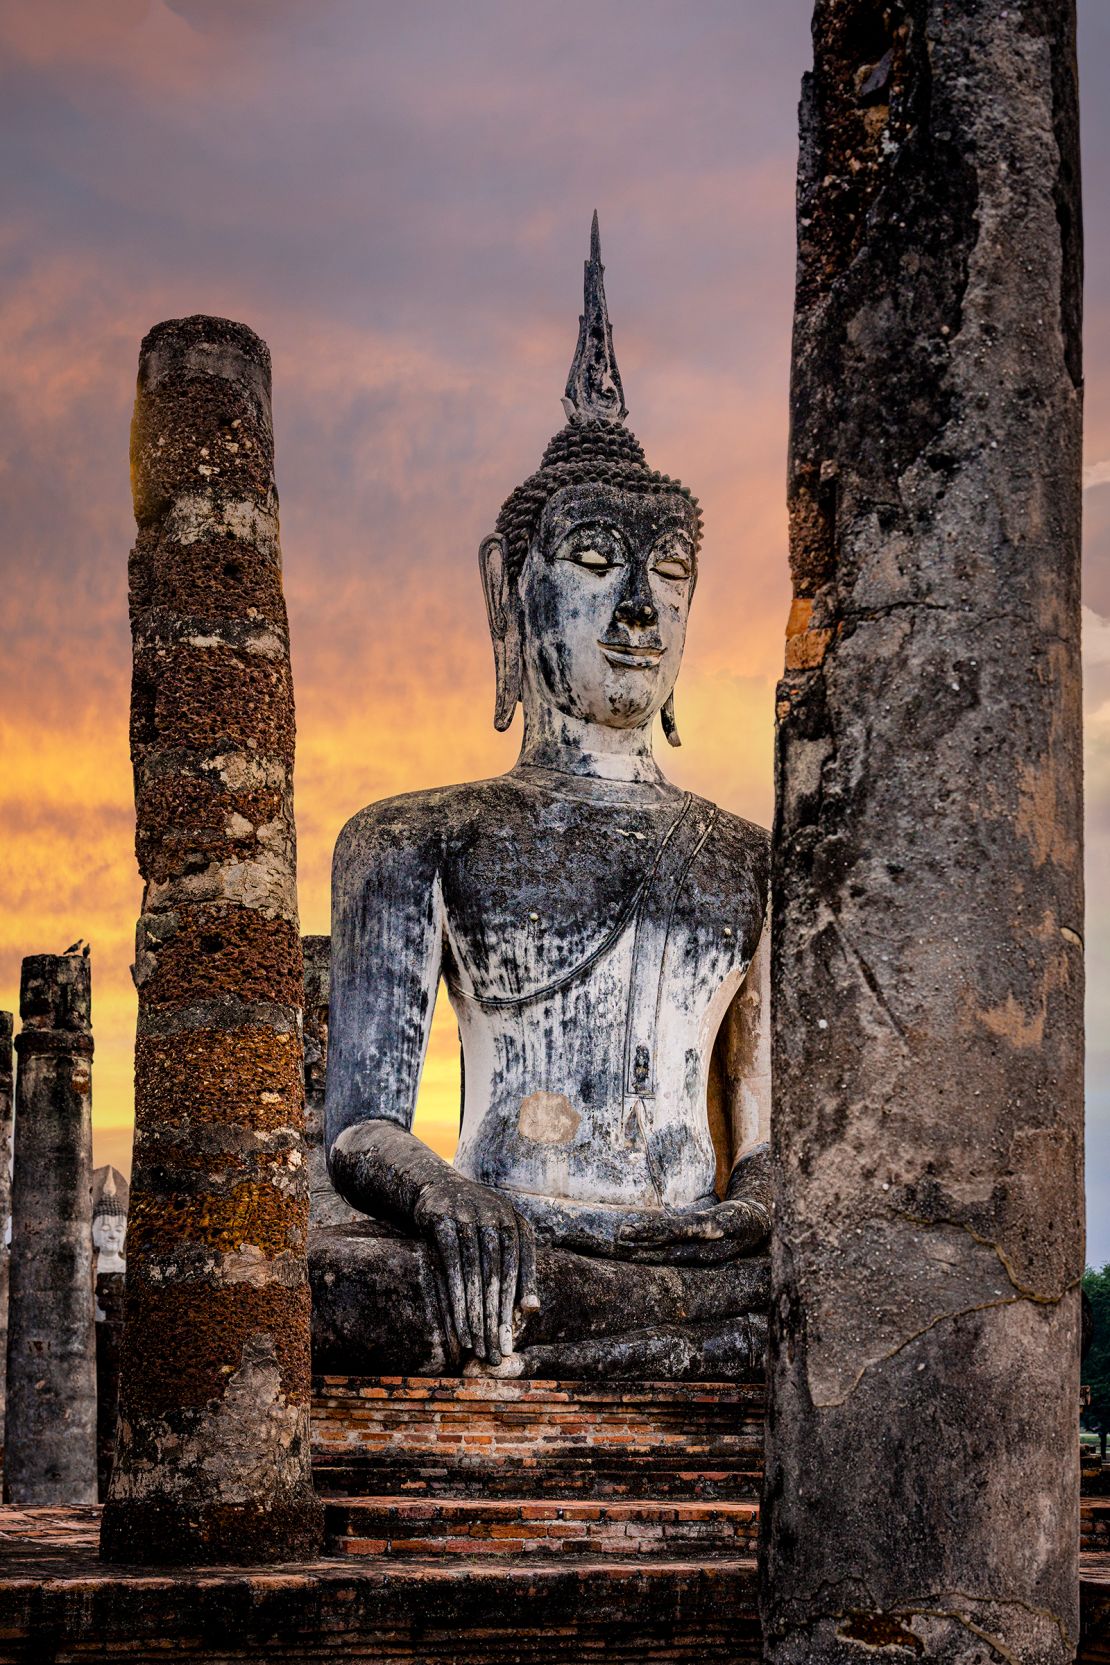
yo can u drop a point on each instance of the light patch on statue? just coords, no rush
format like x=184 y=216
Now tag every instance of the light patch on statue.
x=548 y=1118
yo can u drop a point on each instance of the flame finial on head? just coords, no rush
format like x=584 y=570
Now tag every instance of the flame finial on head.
x=594 y=391
x=594 y=448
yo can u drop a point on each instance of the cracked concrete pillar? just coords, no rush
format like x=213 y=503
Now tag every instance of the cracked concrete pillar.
x=5 y=1202
x=212 y=1461
x=50 y=1454
x=922 y=1483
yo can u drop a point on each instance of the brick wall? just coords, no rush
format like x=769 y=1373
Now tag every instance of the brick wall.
x=413 y=1436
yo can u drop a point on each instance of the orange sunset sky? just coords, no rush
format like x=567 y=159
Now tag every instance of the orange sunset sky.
x=397 y=197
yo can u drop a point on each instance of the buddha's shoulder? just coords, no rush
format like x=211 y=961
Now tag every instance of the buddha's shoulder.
x=737 y=853
x=734 y=834
x=451 y=821
x=426 y=821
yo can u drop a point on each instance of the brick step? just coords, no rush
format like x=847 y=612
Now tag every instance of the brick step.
x=59 y=1602
x=570 y=1477
x=1094 y=1524
x=417 y=1528
x=1094 y=1607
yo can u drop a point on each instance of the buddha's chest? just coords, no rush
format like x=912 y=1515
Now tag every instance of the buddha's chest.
x=563 y=893
x=590 y=953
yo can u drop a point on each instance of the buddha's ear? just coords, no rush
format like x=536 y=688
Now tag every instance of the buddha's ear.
x=667 y=717
x=504 y=625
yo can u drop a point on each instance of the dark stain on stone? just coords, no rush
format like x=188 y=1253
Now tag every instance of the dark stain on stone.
x=881 y=1630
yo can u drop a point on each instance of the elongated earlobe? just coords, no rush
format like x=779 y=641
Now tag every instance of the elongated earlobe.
x=506 y=660
x=666 y=717
x=504 y=628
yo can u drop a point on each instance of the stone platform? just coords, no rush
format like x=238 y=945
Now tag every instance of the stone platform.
x=468 y=1523
x=60 y=1606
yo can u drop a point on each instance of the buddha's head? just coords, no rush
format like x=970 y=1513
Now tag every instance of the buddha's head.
x=589 y=575
x=109 y=1225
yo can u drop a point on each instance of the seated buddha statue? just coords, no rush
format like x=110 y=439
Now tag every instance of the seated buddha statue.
x=598 y=930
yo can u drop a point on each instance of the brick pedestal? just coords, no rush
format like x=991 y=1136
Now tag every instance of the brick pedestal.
x=485 y=1547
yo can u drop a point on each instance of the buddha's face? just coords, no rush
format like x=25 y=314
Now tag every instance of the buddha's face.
x=605 y=593
x=109 y=1233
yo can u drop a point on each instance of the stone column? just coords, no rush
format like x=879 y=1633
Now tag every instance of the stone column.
x=110 y=1192
x=109 y=1339
x=922 y=1479
x=317 y=978
x=212 y=1461
x=326 y=1206
x=5 y=1203
x=50 y=1454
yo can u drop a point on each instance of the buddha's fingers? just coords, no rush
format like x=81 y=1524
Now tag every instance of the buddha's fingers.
x=746 y=1218
x=489 y=1244
x=529 y=1293
x=671 y=1228
x=450 y=1259
x=472 y=1283
x=451 y=1344
x=510 y=1270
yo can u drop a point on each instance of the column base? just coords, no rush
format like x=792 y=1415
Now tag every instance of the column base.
x=164 y=1532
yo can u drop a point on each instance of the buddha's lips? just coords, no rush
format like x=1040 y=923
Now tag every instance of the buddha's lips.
x=625 y=653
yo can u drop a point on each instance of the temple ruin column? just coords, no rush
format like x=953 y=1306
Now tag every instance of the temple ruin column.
x=317 y=968
x=109 y=1234
x=326 y=1206
x=922 y=1486
x=50 y=1449
x=6 y=1108
x=212 y=1461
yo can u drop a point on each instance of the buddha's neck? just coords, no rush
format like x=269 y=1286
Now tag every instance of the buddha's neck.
x=552 y=740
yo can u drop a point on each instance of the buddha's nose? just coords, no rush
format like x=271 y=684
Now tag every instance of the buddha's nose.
x=636 y=610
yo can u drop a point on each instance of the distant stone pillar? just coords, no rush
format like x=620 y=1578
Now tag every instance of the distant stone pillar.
x=213 y=1455
x=109 y=1233
x=109 y=1343
x=326 y=1207
x=317 y=992
x=50 y=1454
x=922 y=1481
x=6 y=1107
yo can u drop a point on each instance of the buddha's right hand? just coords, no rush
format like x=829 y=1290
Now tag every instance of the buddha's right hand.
x=485 y=1256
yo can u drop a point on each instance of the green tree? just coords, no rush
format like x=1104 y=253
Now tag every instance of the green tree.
x=1096 y=1366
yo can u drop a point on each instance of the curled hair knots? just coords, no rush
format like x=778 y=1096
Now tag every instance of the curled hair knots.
x=583 y=453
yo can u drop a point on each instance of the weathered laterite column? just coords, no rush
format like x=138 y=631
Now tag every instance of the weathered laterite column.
x=326 y=1206
x=922 y=1482
x=50 y=1454
x=6 y=1108
x=109 y=1334
x=317 y=978
x=213 y=1454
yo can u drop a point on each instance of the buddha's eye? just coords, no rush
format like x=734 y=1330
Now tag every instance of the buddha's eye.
x=596 y=548
x=672 y=556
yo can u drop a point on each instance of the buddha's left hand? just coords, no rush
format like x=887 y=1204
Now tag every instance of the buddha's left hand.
x=721 y=1232
x=707 y=1236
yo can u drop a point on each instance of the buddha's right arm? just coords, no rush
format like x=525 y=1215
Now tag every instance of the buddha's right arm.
x=387 y=934
x=485 y=1253
x=382 y=1169
x=386 y=946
